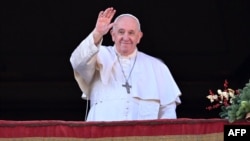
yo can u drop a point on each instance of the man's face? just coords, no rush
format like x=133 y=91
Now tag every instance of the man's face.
x=126 y=35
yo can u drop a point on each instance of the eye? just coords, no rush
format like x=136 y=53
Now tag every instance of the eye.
x=121 y=31
x=131 y=33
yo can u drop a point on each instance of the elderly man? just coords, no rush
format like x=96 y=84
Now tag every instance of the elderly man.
x=121 y=82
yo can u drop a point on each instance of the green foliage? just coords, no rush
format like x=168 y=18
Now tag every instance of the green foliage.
x=240 y=105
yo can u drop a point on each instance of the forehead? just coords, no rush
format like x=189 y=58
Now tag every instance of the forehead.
x=126 y=22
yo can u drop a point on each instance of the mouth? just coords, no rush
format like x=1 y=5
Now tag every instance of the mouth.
x=126 y=43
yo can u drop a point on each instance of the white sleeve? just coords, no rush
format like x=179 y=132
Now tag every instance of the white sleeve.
x=81 y=57
x=168 y=111
x=83 y=61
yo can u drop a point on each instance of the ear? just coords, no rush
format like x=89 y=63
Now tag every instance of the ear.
x=139 y=38
x=112 y=34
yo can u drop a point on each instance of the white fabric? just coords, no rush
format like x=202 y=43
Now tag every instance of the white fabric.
x=154 y=93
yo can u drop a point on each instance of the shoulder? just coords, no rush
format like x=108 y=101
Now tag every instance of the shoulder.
x=154 y=62
x=157 y=64
x=150 y=58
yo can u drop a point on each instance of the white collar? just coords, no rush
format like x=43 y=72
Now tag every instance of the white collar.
x=132 y=55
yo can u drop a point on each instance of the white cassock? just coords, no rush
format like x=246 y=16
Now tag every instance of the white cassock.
x=154 y=93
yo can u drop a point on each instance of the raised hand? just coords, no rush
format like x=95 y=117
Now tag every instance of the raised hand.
x=103 y=24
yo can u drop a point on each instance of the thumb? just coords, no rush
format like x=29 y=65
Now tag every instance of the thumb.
x=110 y=25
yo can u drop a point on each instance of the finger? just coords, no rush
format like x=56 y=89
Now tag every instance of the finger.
x=108 y=12
x=110 y=25
x=111 y=13
x=100 y=14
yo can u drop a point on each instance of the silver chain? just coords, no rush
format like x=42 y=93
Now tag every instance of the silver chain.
x=126 y=79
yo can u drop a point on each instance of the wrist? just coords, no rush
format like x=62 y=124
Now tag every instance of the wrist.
x=97 y=37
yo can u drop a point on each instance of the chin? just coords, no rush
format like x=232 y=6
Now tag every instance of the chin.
x=124 y=52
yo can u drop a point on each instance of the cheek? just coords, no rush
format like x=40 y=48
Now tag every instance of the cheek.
x=118 y=39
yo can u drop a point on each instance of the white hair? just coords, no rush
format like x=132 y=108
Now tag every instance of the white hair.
x=129 y=15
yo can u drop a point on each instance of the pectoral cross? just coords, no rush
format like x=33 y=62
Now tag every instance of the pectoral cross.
x=127 y=86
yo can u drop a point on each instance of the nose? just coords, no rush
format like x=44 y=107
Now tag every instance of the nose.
x=125 y=36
